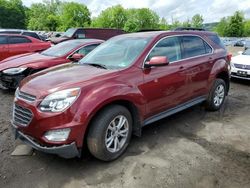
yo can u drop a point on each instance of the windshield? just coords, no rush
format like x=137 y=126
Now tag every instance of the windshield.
x=69 y=33
x=246 y=52
x=61 y=49
x=118 y=52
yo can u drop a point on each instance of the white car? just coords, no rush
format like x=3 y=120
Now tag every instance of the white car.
x=240 y=65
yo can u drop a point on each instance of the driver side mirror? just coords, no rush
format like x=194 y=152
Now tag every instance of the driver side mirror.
x=157 y=61
x=76 y=57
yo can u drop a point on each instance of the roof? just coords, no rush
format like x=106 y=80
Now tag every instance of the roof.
x=157 y=33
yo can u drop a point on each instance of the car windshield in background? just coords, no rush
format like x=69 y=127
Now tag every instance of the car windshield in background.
x=246 y=52
x=116 y=53
x=60 y=49
x=69 y=33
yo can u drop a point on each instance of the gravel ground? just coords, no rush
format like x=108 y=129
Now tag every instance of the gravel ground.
x=193 y=148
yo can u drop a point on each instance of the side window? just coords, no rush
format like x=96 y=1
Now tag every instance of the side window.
x=85 y=50
x=18 y=40
x=34 y=35
x=169 y=47
x=216 y=40
x=194 y=46
x=3 y=40
x=80 y=34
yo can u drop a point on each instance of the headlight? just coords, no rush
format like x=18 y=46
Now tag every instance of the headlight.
x=13 y=71
x=58 y=135
x=60 y=100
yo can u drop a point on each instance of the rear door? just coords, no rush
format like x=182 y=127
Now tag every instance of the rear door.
x=4 y=47
x=19 y=45
x=198 y=63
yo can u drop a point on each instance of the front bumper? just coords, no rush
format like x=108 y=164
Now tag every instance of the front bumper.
x=65 y=151
x=10 y=81
x=238 y=73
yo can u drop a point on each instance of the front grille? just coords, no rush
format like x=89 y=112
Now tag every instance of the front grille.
x=21 y=116
x=240 y=66
x=25 y=96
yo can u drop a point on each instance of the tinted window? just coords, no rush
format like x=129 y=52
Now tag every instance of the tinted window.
x=85 y=50
x=31 y=34
x=169 y=47
x=3 y=40
x=194 y=46
x=80 y=34
x=18 y=40
x=216 y=40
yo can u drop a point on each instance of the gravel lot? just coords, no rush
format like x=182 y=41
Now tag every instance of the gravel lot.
x=193 y=148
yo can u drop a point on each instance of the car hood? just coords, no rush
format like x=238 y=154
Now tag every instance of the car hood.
x=22 y=60
x=241 y=59
x=62 y=77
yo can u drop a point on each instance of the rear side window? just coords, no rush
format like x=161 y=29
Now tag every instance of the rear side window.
x=3 y=40
x=18 y=40
x=34 y=35
x=216 y=40
x=194 y=46
x=169 y=47
x=80 y=34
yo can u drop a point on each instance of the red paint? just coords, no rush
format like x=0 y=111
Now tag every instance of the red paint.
x=37 y=61
x=34 y=45
x=151 y=90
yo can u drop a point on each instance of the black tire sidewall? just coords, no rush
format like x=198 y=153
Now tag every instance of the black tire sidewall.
x=99 y=128
x=212 y=94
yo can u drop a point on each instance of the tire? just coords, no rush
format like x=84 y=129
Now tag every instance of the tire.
x=217 y=95
x=104 y=132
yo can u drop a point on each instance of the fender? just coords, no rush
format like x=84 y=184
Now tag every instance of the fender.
x=107 y=94
x=46 y=64
x=219 y=66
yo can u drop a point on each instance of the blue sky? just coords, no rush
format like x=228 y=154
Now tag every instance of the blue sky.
x=212 y=10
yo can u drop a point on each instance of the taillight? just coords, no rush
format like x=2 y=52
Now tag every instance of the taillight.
x=229 y=57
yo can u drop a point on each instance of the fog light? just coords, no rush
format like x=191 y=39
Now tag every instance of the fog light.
x=58 y=135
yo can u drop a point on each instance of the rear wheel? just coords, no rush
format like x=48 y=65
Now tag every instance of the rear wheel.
x=110 y=133
x=217 y=95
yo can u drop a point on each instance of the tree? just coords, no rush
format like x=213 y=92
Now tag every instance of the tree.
x=43 y=16
x=236 y=25
x=164 y=24
x=247 y=28
x=112 y=17
x=222 y=27
x=74 y=15
x=197 y=21
x=140 y=19
x=187 y=23
x=12 y=14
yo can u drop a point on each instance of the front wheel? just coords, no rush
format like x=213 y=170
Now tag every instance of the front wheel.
x=217 y=95
x=110 y=133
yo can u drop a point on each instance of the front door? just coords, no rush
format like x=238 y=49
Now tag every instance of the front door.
x=165 y=87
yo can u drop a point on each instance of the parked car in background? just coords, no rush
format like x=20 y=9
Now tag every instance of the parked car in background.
x=240 y=65
x=22 y=32
x=11 y=45
x=14 y=69
x=240 y=43
x=82 y=33
x=128 y=82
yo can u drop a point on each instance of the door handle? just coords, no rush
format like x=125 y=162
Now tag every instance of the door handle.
x=181 y=67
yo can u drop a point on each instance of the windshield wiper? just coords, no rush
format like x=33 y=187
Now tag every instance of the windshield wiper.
x=97 y=65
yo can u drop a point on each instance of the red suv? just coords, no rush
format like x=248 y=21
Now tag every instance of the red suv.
x=128 y=82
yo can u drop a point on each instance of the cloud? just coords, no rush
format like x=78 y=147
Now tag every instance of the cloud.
x=212 y=10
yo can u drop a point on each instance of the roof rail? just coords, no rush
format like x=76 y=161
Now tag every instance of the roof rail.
x=189 y=29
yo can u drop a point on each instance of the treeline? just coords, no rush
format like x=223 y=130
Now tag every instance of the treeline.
x=58 y=16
